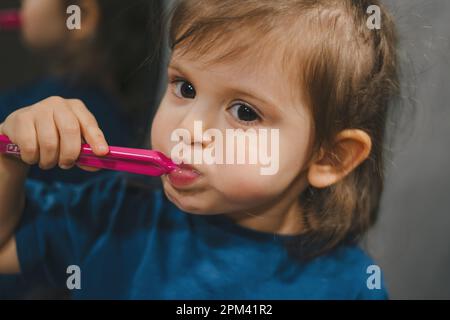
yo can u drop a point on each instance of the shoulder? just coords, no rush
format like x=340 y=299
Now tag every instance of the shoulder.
x=350 y=256
x=353 y=272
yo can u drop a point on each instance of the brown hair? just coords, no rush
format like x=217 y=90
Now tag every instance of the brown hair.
x=346 y=71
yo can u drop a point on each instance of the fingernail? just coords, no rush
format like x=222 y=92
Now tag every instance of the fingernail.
x=64 y=166
x=102 y=148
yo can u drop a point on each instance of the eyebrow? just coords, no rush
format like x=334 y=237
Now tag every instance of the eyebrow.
x=179 y=68
x=248 y=92
x=251 y=94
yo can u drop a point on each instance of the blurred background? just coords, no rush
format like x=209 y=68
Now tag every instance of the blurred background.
x=411 y=241
x=16 y=62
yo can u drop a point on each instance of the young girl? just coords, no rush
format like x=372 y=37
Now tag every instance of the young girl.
x=311 y=70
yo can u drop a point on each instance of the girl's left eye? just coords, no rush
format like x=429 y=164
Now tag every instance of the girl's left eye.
x=184 y=89
x=244 y=113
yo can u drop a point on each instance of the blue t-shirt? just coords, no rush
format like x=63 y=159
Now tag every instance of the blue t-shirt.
x=130 y=242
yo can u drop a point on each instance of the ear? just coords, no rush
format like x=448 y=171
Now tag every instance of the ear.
x=90 y=17
x=351 y=147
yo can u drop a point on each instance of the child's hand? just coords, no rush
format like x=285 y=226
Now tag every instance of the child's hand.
x=50 y=132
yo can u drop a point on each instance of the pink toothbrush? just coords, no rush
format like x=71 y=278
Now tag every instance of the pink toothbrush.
x=10 y=19
x=140 y=161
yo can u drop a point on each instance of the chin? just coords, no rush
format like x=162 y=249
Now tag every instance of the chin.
x=186 y=201
x=193 y=208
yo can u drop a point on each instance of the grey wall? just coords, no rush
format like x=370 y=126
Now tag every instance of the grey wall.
x=412 y=239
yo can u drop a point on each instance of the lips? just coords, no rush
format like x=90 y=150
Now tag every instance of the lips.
x=183 y=176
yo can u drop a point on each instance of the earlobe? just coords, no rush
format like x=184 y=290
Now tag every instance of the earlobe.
x=351 y=147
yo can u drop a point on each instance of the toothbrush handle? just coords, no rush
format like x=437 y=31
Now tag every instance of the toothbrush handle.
x=117 y=160
x=146 y=162
x=7 y=147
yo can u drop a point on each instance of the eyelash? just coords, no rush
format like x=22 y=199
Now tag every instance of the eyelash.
x=175 y=80
x=247 y=123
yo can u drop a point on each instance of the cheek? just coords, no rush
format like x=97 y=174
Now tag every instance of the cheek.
x=162 y=127
x=157 y=131
x=244 y=183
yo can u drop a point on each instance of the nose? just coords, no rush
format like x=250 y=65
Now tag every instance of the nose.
x=199 y=118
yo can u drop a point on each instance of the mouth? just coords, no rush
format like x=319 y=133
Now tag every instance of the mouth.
x=185 y=175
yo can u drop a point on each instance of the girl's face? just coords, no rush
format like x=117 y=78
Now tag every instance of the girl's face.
x=43 y=23
x=239 y=95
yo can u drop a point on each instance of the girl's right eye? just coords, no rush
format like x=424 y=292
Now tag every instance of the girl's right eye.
x=184 y=89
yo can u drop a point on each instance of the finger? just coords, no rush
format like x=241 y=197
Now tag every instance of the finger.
x=48 y=139
x=89 y=169
x=89 y=128
x=20 y=128
x=69 y=136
